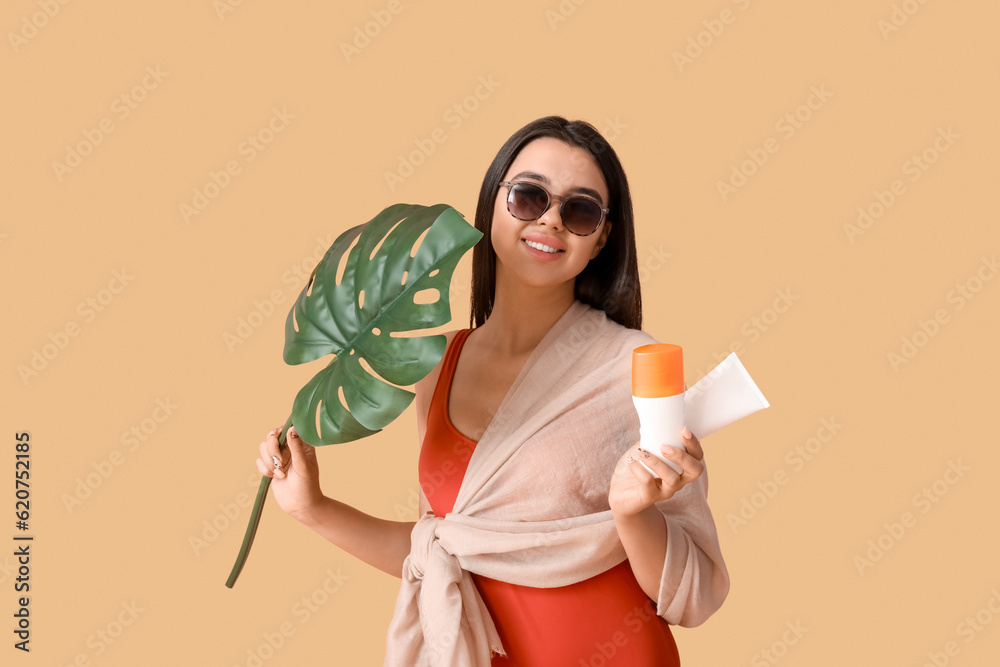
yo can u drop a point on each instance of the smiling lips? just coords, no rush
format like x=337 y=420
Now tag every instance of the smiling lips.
x=542 y=247
x=544 y=244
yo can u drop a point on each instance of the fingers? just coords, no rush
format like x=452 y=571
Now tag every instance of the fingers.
x=664 y=480
x=663 y=474
x=689 y=458
x=301 y=451
x=691 y=467
x=264 y=469
x=273 y=462
x=692 y=444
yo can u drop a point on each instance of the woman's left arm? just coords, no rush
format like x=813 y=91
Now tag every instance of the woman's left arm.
x=671 y=542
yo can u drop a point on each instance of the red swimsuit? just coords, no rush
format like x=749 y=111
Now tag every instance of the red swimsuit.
x=606 y=620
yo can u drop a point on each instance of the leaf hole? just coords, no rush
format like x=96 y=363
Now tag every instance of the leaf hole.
x=426 y=296
x=382 y=240
x=361 y=299
x=342 y=397
x=295 y=320
x=376 y=331
x=371 y=371
x=433 y=273
x=319 y=420
x=403 y=281
x=418 y=242
x=342 y=265
x=309 y=287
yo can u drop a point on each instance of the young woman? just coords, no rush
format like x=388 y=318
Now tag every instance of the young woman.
x=543 y=540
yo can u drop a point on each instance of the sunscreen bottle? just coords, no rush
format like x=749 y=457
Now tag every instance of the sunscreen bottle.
x=658 y=394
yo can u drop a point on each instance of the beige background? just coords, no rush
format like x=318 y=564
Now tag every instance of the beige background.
x=711 y=267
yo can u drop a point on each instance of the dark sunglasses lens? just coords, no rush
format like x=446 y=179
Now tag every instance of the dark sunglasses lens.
x=526 y=201
x=581 y=215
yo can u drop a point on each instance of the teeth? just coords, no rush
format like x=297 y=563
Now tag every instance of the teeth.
x=540 y=246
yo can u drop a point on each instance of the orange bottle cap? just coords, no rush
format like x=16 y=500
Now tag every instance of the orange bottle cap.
x=657 y=371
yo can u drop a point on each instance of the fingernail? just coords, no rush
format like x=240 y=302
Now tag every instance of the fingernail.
x=643 y=453
x=292 y=433
x=273 y=431
x=686 y=433
x=630 y=460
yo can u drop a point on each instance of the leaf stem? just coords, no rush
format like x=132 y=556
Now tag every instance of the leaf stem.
x=258 y=505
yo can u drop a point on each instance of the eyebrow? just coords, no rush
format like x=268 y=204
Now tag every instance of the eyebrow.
x=541 y=177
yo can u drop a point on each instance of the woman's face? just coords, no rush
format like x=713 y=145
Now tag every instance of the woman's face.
x=562 y=170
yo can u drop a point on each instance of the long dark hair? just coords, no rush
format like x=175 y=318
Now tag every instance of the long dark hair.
x=610 y=282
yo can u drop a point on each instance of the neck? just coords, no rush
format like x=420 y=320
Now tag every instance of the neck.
x=522 y=315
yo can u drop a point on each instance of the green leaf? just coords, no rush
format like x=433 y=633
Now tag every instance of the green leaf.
x=332 y=318
x=382 y=292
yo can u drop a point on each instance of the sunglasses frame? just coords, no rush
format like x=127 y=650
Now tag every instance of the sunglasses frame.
x=551 y=197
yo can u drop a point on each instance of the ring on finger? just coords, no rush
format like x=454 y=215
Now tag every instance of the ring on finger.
x=277 y=462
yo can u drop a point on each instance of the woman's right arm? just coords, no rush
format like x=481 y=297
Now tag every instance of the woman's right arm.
x=381 y=543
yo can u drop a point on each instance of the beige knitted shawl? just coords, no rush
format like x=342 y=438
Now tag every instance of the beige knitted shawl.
x=533 y=505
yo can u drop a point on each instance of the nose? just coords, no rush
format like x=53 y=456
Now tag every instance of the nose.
x=552 y=217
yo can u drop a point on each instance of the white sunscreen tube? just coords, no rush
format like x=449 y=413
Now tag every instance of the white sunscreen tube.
x=725 y=395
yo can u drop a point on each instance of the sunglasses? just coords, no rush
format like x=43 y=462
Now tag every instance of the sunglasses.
x=580 y=215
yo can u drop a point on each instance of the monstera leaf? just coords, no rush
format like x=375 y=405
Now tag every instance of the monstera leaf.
x=386 y=277
x=388 y=286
